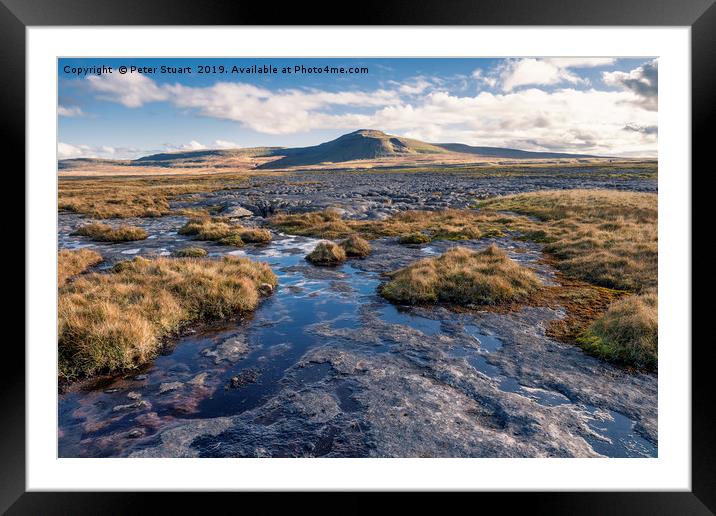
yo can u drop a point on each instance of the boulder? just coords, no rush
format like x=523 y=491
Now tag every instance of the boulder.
x=237 y=212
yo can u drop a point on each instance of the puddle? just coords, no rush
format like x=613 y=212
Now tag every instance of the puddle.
x=398 y=315
x=621 y=438
x=488 y=343
x=616 y=435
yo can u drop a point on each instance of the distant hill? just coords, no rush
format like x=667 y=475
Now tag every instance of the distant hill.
x=500 y=152
x=204 y=155
x=362 y=145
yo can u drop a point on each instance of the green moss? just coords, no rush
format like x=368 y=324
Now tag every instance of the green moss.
x=414 y=238
x=493 y=233
x=538 y=236
x=232 y=240
x=627 y=332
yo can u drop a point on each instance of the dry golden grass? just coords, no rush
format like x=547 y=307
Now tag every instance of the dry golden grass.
x=207 y=229
x=327 y=253
x=191 y=252
x=356 y=246
x=324 y=224
x=105 y=233
x=627 y=332
x=255 y=235
x=605 y=237
x=116 y=321
x=72 y=263
x=222 y=231
x=462 y=276
x=122 y=197
x=436 y=225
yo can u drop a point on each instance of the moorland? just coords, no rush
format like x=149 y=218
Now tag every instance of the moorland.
x=370 y=296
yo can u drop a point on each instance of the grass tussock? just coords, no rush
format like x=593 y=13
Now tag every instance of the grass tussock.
x=71 y=263
x=356 y=247
x=191 y=252
x=434 y=225
x=605 y=237
x=462 y=276
x=627 y=332
x=116 y=321
x=122 y=197
x=323 y=224
x=255 y=235
x=105 y=233
x=414 y=239
x=222 y=231
x=327 y=253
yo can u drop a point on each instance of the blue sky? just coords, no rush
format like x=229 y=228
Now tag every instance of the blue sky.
x=596 y=105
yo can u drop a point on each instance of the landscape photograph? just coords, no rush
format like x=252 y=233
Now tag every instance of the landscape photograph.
x=357 y=258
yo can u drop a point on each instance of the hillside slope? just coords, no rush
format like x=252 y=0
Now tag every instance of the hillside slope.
x=364 y=144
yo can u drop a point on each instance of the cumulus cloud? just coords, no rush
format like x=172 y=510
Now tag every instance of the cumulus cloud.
x=488 y=80
x=131 y=90
x=414 y=87
x=642 y=81
x=567 y=119
x=548 y=71
x=68 y=151
x=524 y=72
x=69 y=111
x=266 y=111
x=588 y=121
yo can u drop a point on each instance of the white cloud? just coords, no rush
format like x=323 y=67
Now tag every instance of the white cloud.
x=524 y=72
x=194 y=145
x=69 y=111
x=272 y=112
x=417 y=86
x=547 y=71
x=225 y=144
x=68 y=151
x=643 y=81
x=566 y=119
x=488 y=80
x=131 y=90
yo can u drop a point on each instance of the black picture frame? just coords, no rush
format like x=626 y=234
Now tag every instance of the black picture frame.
x=700 y=15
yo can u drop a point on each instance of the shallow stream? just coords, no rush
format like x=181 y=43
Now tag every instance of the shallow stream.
x=319 y=367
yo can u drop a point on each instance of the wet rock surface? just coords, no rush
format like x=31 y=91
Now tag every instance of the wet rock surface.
x=327 y=368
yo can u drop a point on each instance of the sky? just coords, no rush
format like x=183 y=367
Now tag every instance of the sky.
x=602 y=106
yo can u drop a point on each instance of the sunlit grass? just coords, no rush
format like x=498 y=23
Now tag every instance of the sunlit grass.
x=118 y=320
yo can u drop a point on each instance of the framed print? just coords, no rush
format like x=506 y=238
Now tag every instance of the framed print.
x=448 y=250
